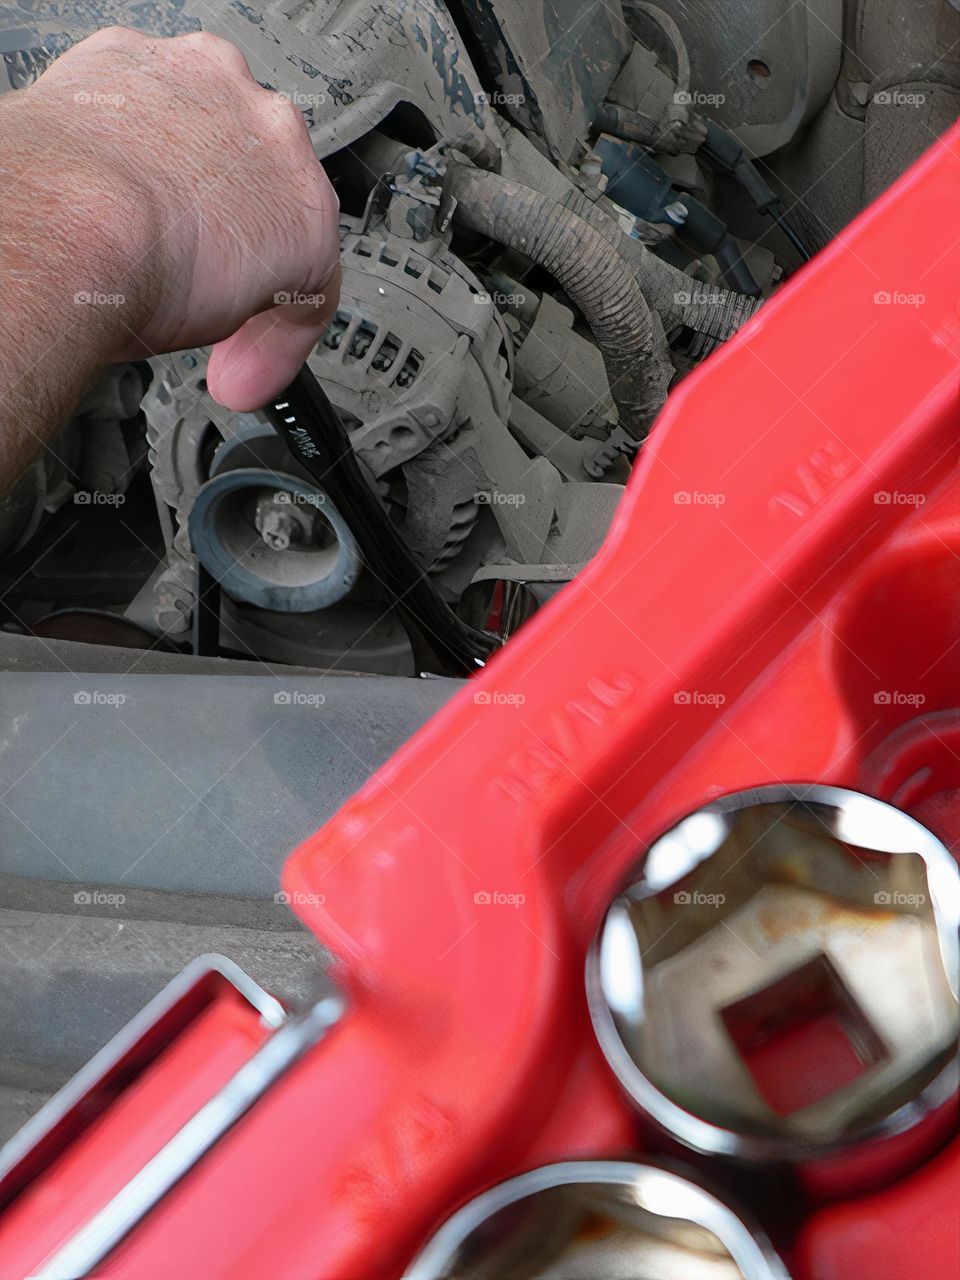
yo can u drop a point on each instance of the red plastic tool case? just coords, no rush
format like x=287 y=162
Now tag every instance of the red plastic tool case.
x=776 y=601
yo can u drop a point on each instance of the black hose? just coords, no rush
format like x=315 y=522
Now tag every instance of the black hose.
x=715 y=313
x=775 y=211
x=724 y=152
x=590 y=272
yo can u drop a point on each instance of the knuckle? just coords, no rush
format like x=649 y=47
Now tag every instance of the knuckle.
x=200 y=39
x=208 y=43
x=282 y=114
x=115 y=35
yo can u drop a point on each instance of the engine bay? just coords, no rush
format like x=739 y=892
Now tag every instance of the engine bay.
x=549 y=216
x=635 y=953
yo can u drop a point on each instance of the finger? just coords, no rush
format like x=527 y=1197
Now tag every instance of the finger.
x=251 y=367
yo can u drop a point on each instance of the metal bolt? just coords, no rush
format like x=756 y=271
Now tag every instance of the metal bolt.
x=278 y=530
x=173 y=616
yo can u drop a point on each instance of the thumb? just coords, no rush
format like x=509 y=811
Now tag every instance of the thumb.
x=253 y=365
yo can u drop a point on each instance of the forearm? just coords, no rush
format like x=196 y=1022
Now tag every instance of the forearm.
x=70 y=298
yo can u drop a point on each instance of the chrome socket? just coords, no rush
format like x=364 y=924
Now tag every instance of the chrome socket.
x=778 y=984
x=597 y=1220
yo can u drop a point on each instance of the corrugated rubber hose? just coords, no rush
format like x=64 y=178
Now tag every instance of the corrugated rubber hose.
x=590 y=272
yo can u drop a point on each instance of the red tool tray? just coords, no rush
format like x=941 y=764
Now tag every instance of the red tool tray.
x=776 y=602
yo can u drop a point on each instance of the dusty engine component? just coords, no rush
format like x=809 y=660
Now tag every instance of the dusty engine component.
x=94 y=458
x=557 y=371
x=767 y=68
x=550 y=214
x=22 y=507
x=348 y=66
x=573 y=252
x=550 y=67
x=419 y=364
x=233 y=500
x=269 y=537
x=897 y=89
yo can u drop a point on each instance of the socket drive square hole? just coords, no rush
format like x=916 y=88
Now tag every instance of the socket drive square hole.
x=803 y=1037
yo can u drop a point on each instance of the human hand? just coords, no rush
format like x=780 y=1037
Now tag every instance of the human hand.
x=207 y=204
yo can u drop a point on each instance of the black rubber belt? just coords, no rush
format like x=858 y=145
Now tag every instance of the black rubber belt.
x=308 y=423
